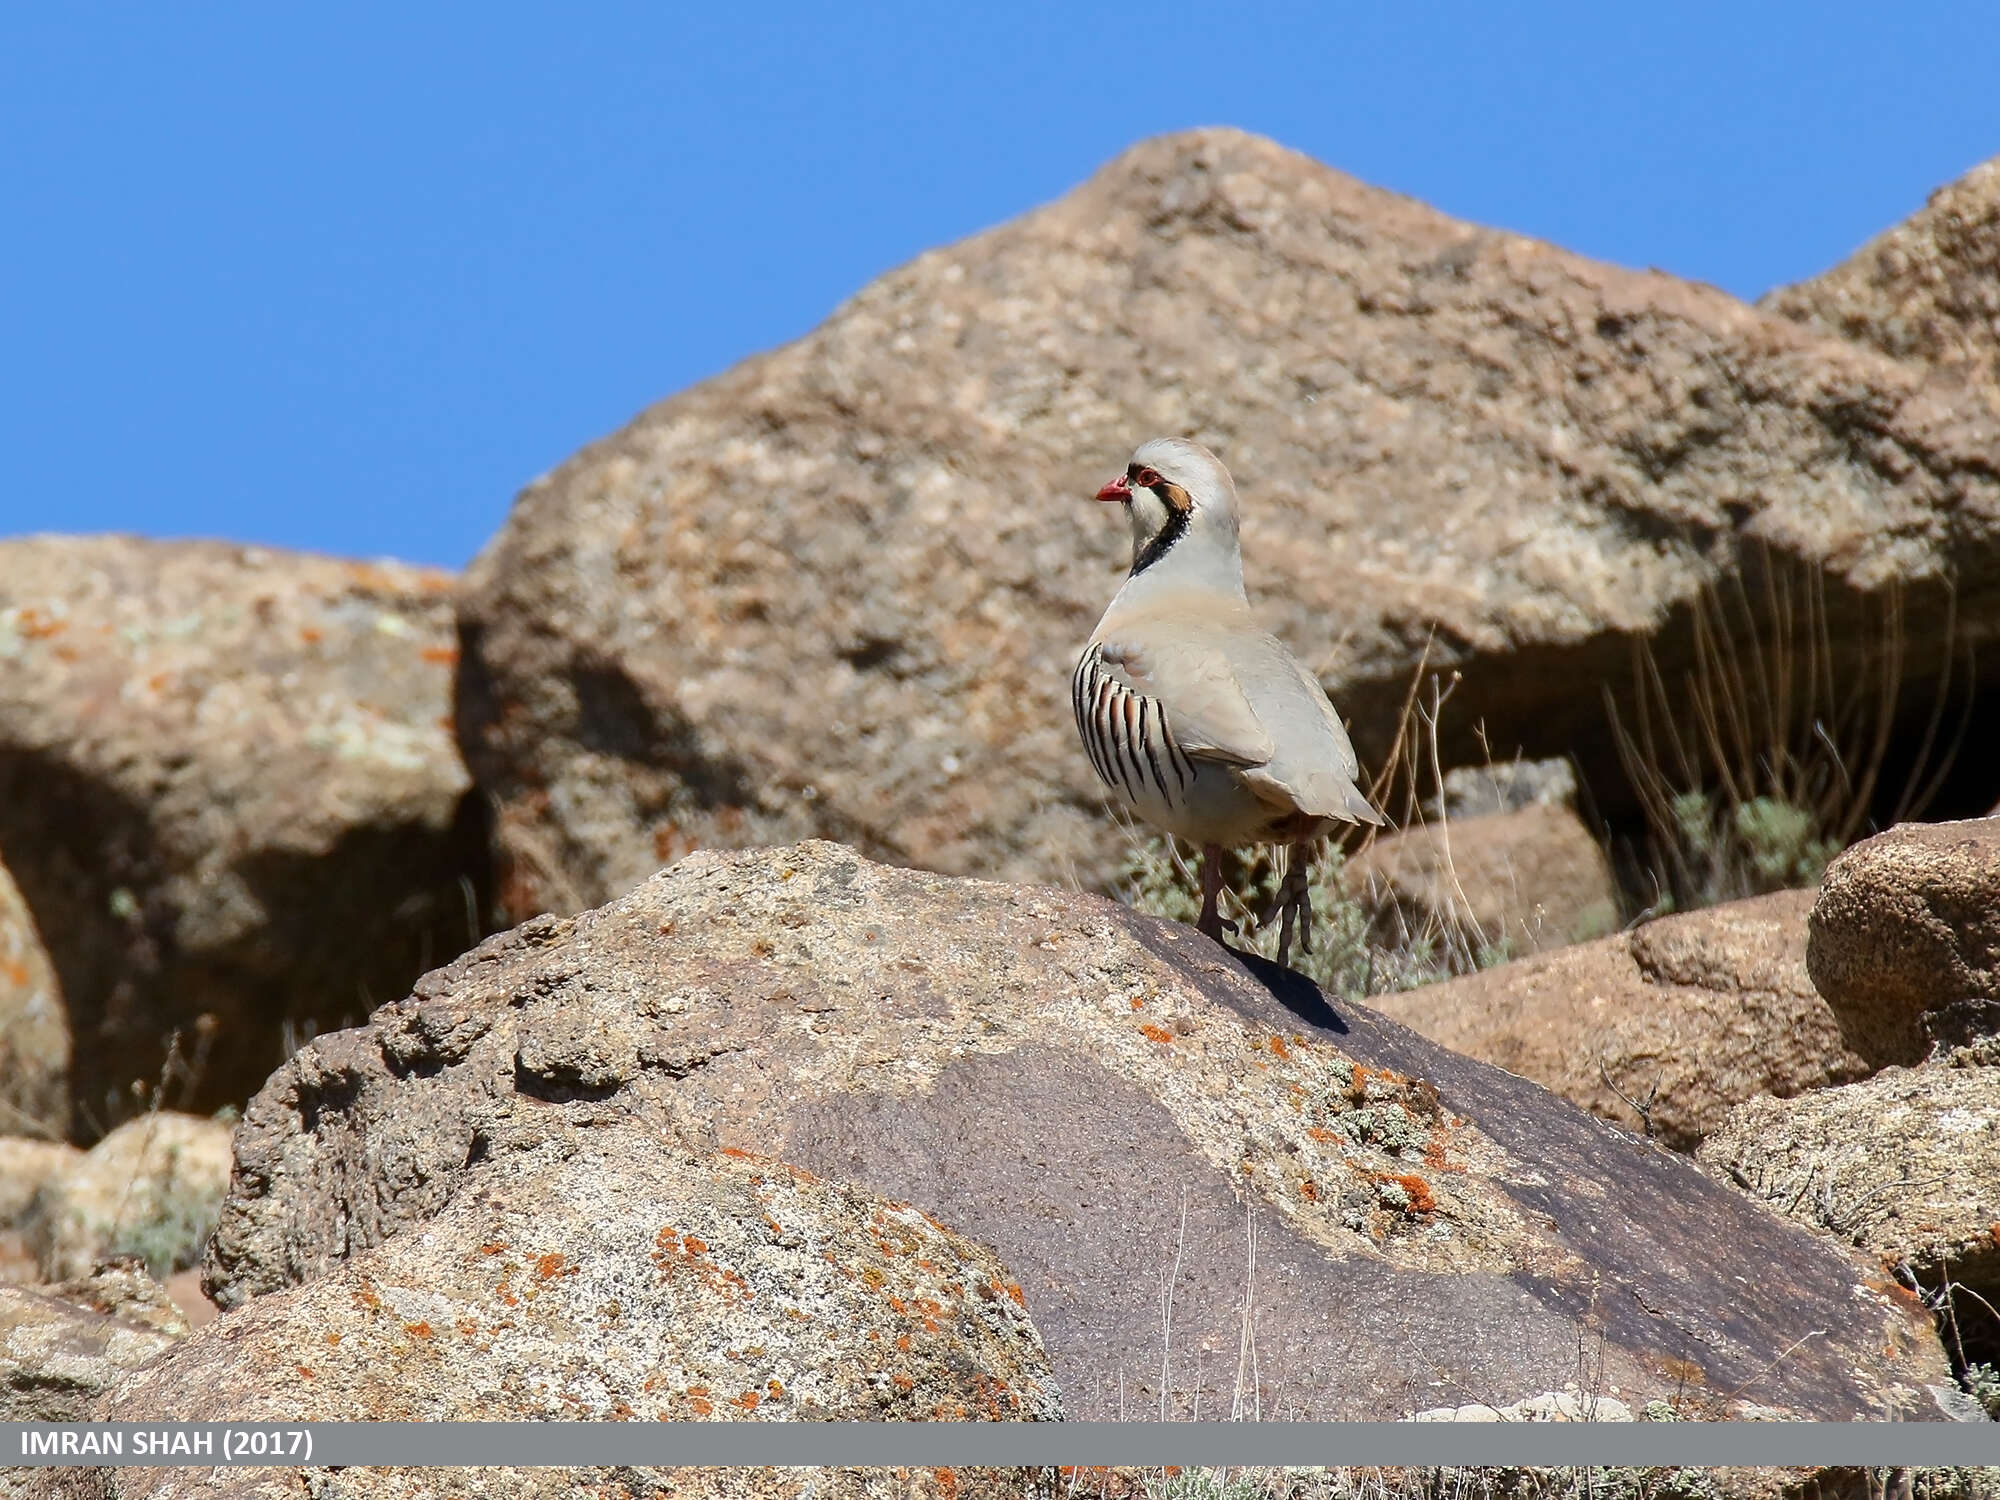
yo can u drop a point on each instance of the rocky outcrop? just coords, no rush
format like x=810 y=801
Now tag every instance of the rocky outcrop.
x=1511 y=883
x=1130 y=1115
x=1905 y=1165
x=34 y=1031
x=1905 y=938
x=661 y=1285
x=230 y=794
x=895 y=511
x=63 y=1346
x=1927 y=290
x=152 y=1189
x=1688 y=1016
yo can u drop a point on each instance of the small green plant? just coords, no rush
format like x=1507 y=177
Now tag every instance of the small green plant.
x=1346 y=960
x=1205 y=1484
x=166 y=1221
x=1982 y=1382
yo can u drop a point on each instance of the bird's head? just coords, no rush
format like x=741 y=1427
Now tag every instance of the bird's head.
x=1181 y=503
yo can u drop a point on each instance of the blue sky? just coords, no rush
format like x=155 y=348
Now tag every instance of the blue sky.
x=345 y=277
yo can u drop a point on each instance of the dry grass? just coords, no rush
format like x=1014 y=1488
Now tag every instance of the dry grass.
x=1766 y=758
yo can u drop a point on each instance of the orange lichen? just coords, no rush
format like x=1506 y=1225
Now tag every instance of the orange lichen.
x=1309 y=1190
x=493 y=1249
x=749 y=1400
x=441 y=656
x=467 y=1326
x=549 y=1266
x=903 y=1342
x=305 y=1370
x=1138 y=1003
x=1323 y=1135
x=1014 y=1291
x=702 y=1405
x=903 y=1382
x=776 y=1391
x=1278 y=1048
x=421 y=1330
x=310 y=636
x=1156 y=1033
x=333 y=1341
x=1421 y=1201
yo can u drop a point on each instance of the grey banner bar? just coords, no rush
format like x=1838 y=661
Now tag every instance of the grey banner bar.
x=1135 y=1444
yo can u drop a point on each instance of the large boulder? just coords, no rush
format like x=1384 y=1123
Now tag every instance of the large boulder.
x=1502 y=884
x=1686 y=1016
x=1455 y=446
x=1904 y=1165
x=1216 y=1190
x=1928 y=289
x=230 y=794
x=152 y=1189
x=1904 y=940
x=615 y=1277
x=34 y=1031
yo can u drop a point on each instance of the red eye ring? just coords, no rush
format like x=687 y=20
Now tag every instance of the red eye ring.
x=1149 y=478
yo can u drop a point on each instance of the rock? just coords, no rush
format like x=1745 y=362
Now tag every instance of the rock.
x=1907 y=927
x=1698 y=1011
x=25 y=1165
x=1927 y=290
x=1512 y=882
x=1904 y=1165
x=1115 y=1104
x=1549 y=1406
x=34 y=1032
x=1508 y=786
x=661 y=1285
x=895 y=510
x=230 y=794
x=56 y=1355
x=152 y=1188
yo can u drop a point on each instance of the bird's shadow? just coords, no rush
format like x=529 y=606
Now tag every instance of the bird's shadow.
x=1291 y=989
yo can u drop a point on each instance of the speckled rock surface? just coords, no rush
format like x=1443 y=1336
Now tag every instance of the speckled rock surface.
x=151 y=1188
x=1927 y=290
x=486 y=1483
x=1907 y=925
x=1711 y=1007
x=61 y=1347
x=230 y=795
x=1904 y=1165
x=24 y=1166
x=34 y=1030
x=1526 y=880
x=1432 y=425
x=612 y=1277
x=1109 y=1100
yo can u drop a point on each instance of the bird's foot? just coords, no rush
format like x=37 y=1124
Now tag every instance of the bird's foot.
x=1292 y=903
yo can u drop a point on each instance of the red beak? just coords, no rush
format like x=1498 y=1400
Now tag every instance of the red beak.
x=1118 y=489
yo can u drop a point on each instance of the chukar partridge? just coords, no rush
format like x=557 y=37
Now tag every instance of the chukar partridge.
x=1204 y=724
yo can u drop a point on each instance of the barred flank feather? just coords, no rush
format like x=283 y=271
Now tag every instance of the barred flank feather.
x=1125 y=734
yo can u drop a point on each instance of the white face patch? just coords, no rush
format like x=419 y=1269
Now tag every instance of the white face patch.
x=1149 y=515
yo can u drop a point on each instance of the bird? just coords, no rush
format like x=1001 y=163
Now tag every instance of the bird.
x=1204 y=724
